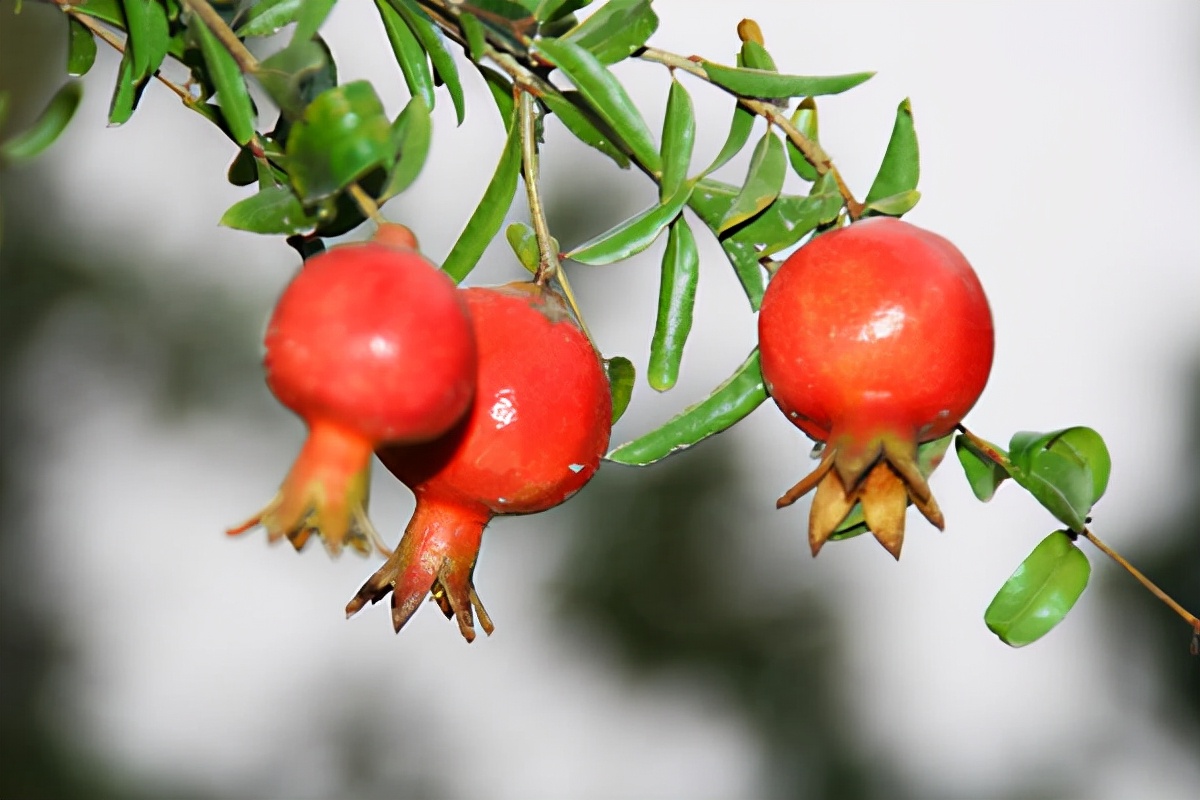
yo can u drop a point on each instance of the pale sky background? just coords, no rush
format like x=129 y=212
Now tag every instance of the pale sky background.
x=1059 y=145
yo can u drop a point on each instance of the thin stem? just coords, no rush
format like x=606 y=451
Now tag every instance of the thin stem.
x=111 y=39
x=366 y=204
x=229 y=40
x=985 y=447
x=812 y=151
x=1187 y=616
x=548 y=265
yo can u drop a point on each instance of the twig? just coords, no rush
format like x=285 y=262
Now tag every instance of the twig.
x=366 y=204
x=548 y=265
x=229 y=40
x=1187 y=616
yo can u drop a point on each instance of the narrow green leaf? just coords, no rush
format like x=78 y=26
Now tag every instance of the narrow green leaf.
x=47 y=128
x=412 y=133
x=744 y=259
x=901 y=167
x=274 y=210
x=764 y=180
x=1040 y=593
x=126 y=93
x=983 y=473
x=81 y=48
x=676 y=299
x=523 y=240
x=137 y=20
x=621 y=377
x=729 y=403
x=229 y=82
x=414 y=63
x=243 y=170
x=633 y=235
x=1066 y=471
x=309 y=19
x=895 y=205
x=790 y=218
x=617 y=30
x=476 y=36
x=606 y=95
x=580 y=123
x=432 y=41
x=763 y=83
x=342 y=135
x=711 y=200
x=268 y=17
x=804 y=118
x=490 y=213
x=929 y=456
x=110 y=11
x=739 y=133
x=501 y=89
x=551 y=10
x=678 y=138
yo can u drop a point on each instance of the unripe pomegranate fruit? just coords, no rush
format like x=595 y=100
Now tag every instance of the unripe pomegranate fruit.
x=874 y=338
x=535 y=435
x=369 y=343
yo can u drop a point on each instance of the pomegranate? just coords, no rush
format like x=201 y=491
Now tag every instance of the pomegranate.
x=370 y=343
x=535 y=435
x=874 y=338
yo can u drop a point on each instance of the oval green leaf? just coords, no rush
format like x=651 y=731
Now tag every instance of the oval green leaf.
x=606 y=96
x=274 y=210
x=126 y=93
x=755 y=56
x=764 y=83
x=983 y=473
x=1040 y=593
x=297 y=75
x=804 y=119
x=414 y=63
x=729 y=403
x=551 y=10
x=901 y=168
x=764 y=180
x=47 y=128
x=268 y=17
x=490 y=213
x=791 y=217
x=617 y=30
x=523 y=240
x=633 y=235
x=621 y=377
x=676 y=301
x=342 y=135
x=739 y=133
x=229 y=82
x=1066 y=471
x=678 y=138
x=412 y=133
x=309 y=19
x=896 y=205
x=81 y=48
x=476 y=36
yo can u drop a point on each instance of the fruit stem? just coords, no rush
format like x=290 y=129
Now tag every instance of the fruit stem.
x=1187 y=616
x=366 y=204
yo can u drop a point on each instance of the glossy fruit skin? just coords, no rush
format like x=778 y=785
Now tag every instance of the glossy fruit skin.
x=374 y=338
x=534 y=436
x=880 y=320
x=874 y=338
x=369 y=343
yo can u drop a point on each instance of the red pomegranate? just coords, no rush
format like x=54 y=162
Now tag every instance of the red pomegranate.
x=535 y=435
x=874 y=338
x=370 y=343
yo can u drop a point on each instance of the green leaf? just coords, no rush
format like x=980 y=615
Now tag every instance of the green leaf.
x=47 y=128
x=901 y=167
x=229 y=82
x=790 y=218
x=501 y=89
x=676 y=299
x=137 y=25
x=755 y=56
x=739 y=133
x=804 y=118
x=414 y=63
x=81 y=48
x=1066 y=471
x=523 y=240
x=435 y=45
x=617 y=30
x=929 y=456
x=490 y=213
x=984 y=473
x=342 y=135
x=764 y=83
x=895 y=205
x=310 y=18
x=110 y=11
x=621 y=377
x=296 y=75
x=274 y=210
x=764 y=180
x=127 y=92
x=678 y=138
x=744 y=259
x=412 y=133
x=730 y=402
x=1040 y=593
x=633 y=235
x=606 y=96
x=268 y=17
x=551 y=10
x=476 y=36
x=711 y=200
x=580 y=123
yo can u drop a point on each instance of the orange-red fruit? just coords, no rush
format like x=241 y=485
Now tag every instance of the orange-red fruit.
x=535 y=435
x=369 y=343
x=874 y=338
